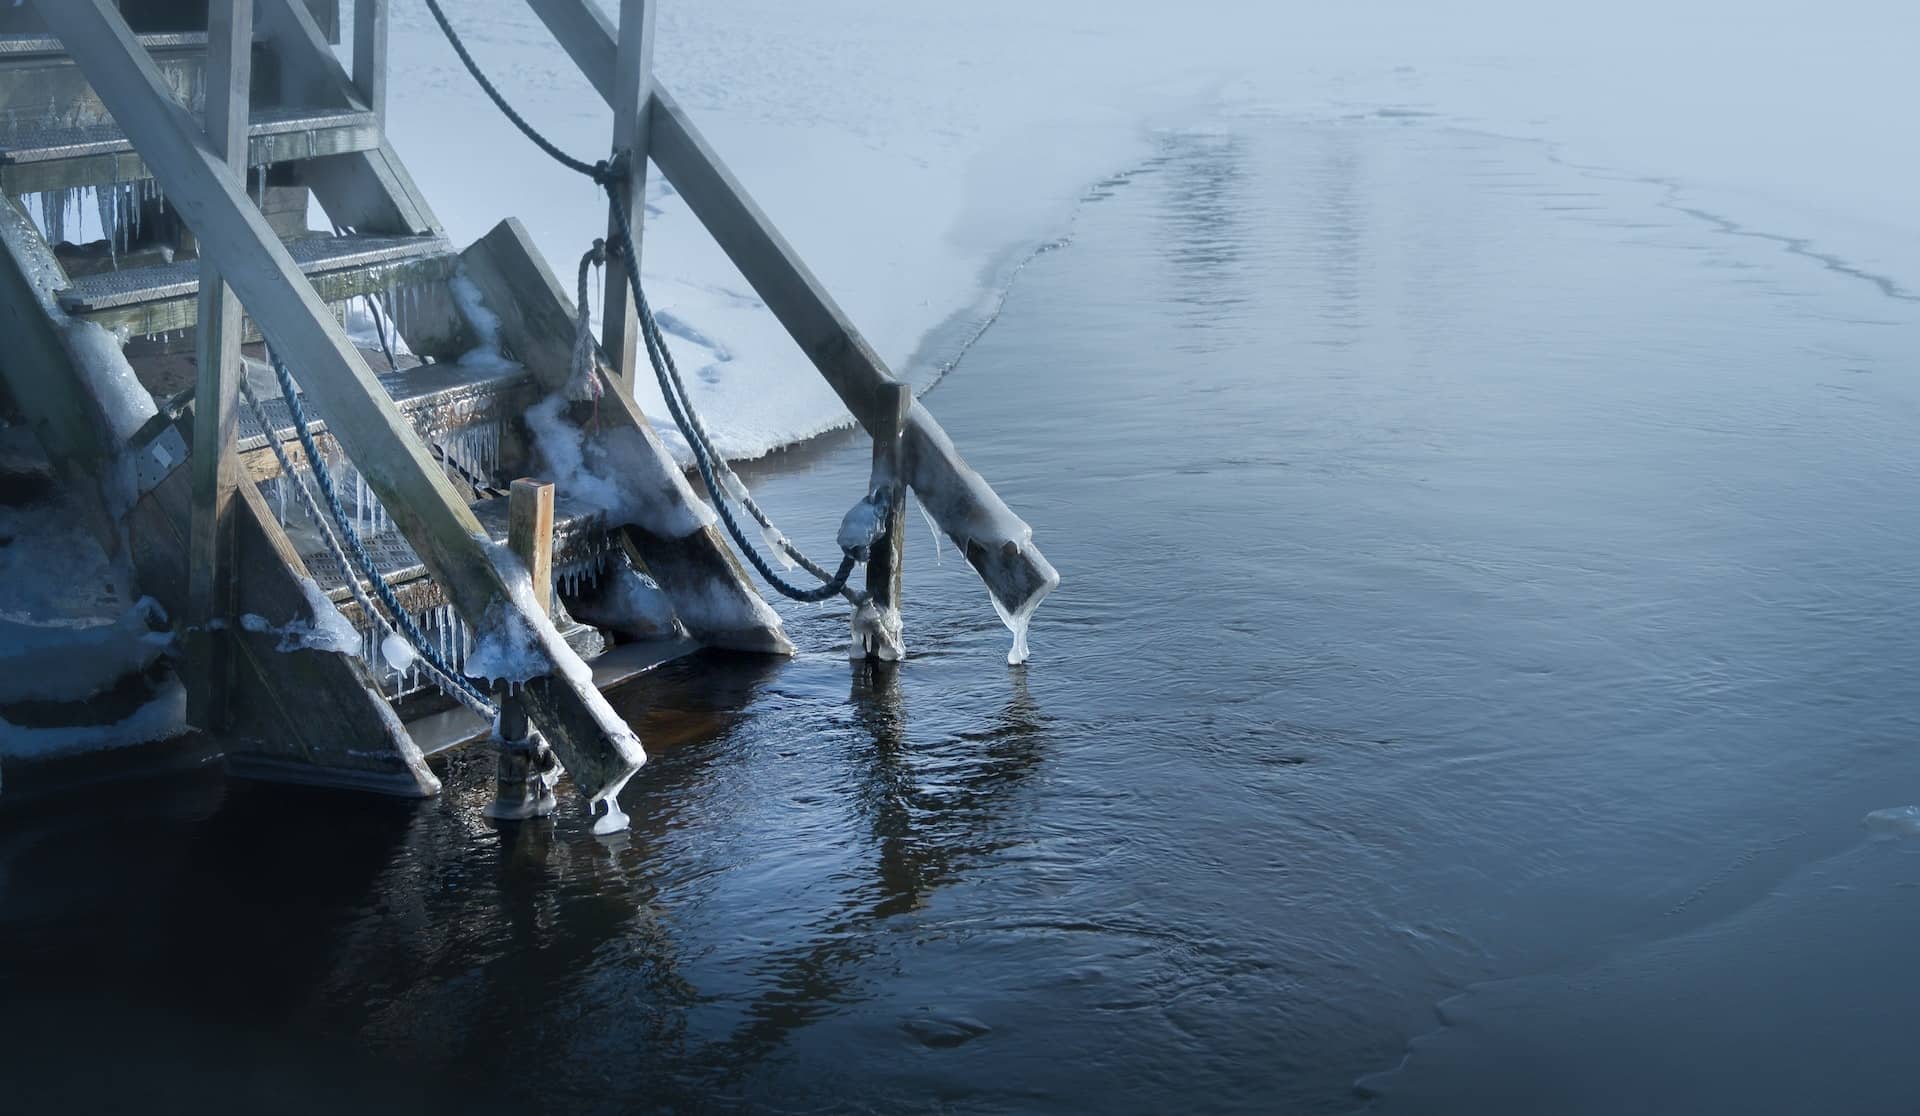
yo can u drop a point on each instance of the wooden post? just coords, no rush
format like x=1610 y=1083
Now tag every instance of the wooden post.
x=521 y=788
x=370 y=54
x=600 y=749
x=210 y=569
x=884 y=565
x=632 y=87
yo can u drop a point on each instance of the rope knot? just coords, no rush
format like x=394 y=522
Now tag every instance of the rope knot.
x=606 y=172
x=598 y=253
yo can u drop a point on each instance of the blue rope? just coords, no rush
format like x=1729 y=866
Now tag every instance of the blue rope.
x=421 y=644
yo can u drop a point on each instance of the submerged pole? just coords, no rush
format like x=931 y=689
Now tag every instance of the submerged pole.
x=216 y=461
x=876 y=624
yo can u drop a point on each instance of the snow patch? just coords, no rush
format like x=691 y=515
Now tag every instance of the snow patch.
x=72 y=660
x=163 y=717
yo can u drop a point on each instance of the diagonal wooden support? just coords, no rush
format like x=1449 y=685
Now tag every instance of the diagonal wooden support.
x=996 y=542
x=598 y=748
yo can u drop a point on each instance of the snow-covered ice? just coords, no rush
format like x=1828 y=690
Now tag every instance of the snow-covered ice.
x=915 y=153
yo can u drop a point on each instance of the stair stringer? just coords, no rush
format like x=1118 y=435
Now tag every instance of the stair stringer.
x=302 y=715
x=683 y=550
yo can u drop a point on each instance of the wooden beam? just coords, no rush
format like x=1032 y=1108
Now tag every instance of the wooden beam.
x=530 y=531
x=530 y=537
x=595 y=744
x=696 y=570
x=633 y=81
x=370 y=54
x=215 y=460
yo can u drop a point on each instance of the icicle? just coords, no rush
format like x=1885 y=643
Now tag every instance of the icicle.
x=932 y=529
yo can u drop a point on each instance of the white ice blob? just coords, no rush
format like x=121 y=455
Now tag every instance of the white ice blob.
x=613 y=821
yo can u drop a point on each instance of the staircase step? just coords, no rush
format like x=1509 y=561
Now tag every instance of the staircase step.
x=153 y=300
x=580 y=540
x=445 y=402
x=34 y=159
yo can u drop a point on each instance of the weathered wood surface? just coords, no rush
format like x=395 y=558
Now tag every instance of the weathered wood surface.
x=306 y=716
x=215 y=460
x=367 y=191
x=964 y=505
x=598 y=748
x=530 y=531
x=370 y=19
x=619 y=317
x=536 y=321
x=886 y=564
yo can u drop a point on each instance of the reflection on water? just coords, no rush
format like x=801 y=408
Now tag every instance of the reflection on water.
x=1475 y=574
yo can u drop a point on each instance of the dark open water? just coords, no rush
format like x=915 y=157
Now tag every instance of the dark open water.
x=1490 y=610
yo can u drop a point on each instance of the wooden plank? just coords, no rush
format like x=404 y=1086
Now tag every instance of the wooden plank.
x=367 y=191
x=530 y=530
x=633 y=80
x=597 y=747
x=370 y=54
x=695 y=570
x=215 y=461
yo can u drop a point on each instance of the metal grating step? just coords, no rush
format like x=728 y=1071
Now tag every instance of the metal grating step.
x=37 y=159
x=581 y=541
x=151 y=300
x=446 y=402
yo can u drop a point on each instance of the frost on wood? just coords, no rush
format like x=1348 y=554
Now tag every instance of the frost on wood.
x=995 y=542
x=489 y=354
x=324 y=629
x=517 y=642
x=615 y=470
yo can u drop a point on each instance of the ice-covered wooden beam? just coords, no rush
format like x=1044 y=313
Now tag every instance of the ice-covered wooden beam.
x=997 y=543
x=598 y=748
x=674 y=535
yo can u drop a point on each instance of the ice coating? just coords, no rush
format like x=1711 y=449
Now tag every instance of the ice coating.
x=604 y=470
x=489 y=354
x=614 y=820
x=72 y=659
x=518 y=641
x=160 y=718
x=1016 y=623
x=325 y=629
x=877 y=634
x=630 y=603
x=1898 y=821
x=397 y=652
